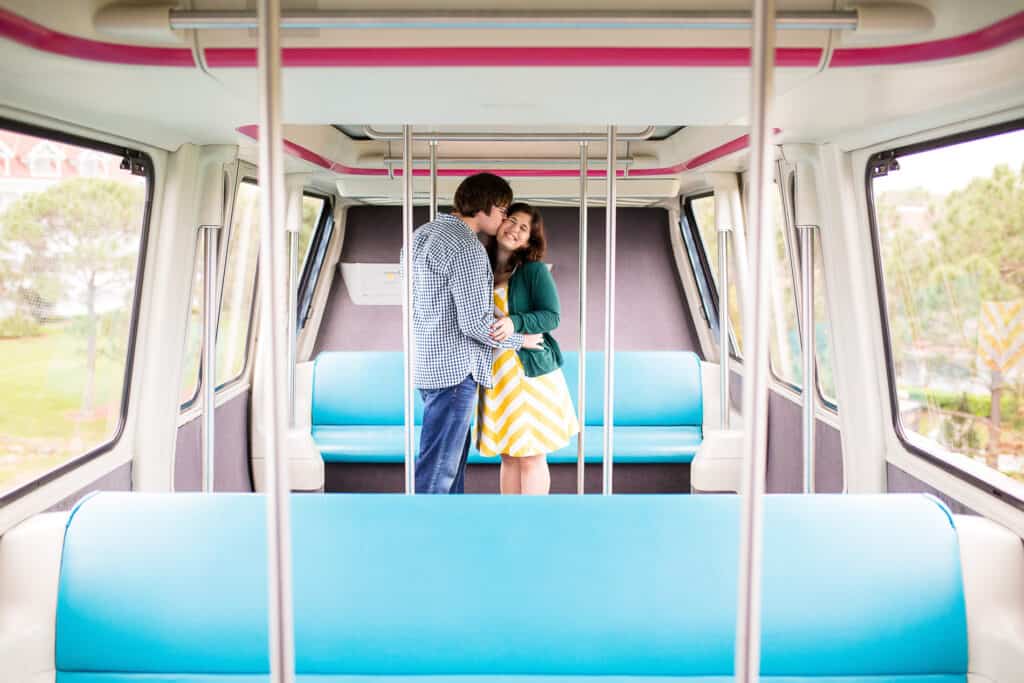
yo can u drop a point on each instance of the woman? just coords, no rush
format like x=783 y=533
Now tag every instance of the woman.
x=528 y=413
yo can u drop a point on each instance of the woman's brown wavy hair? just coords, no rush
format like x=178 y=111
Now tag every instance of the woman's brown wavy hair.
x=535 y=247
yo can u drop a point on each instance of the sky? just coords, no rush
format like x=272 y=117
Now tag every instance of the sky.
x=951 y=168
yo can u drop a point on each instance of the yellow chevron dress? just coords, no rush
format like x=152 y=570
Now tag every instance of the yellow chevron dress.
x=523 y=415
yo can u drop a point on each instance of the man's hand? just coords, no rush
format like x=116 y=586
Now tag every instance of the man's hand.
x=501 y=329
x=533 y=341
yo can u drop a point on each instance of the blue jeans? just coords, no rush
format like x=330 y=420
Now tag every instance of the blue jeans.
x=444 y=439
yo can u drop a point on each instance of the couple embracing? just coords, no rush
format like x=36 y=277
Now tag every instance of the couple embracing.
x=482 y=323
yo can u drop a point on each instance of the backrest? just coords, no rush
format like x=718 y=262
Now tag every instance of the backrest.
x=854 y=587
x=360 y=388
x=652 y=388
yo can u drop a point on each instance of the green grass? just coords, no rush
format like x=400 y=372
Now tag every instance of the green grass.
x=41 y=419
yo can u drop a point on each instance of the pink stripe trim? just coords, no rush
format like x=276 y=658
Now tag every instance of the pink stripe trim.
x=37 y=36
x=305 y=154
x=995 y=35
x=533 y=57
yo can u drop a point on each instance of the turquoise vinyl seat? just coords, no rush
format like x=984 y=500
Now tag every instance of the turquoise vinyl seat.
x=357 y=413
x=389 y=588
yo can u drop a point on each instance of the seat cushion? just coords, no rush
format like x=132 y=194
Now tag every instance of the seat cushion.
x=383 y=444
x=166 y=586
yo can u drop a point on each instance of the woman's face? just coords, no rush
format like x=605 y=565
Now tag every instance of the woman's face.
x=514 y=233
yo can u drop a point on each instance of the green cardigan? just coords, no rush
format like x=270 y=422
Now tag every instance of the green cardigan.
x=534 y=309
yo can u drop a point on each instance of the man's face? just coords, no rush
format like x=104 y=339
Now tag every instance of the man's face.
x=490 y=222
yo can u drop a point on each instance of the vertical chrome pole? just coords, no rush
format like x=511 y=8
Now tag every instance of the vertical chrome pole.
x=581 y=407
x=755 y=329
x=723 y=322
x=293 y=304
x=433 y=179
x=407 y=344
x=272 y=214
x=293 y=225
x=609 y=318
x=807 y=335
x=210 y=238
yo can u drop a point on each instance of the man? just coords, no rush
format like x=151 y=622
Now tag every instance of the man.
x=453 y=311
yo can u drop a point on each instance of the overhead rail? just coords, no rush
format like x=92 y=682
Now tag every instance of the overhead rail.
x=474 y=136
x=507 y=161
x=716 y=20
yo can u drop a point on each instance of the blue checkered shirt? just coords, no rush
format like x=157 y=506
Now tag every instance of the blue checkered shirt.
x=453 y=306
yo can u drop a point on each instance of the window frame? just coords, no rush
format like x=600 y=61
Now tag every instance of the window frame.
x=140 y=273
x=915 y=445
x=706 y=272
x=785 y=181
x=243 y=373
x=316 y=255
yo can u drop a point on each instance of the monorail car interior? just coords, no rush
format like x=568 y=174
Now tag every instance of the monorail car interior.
x=787 y=239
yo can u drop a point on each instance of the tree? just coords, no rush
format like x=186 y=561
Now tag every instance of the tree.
x=981 y=234
x=75 y=242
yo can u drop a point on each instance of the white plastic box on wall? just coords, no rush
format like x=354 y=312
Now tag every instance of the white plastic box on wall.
x=373 y=284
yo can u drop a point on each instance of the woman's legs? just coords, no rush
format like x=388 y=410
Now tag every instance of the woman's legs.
x=510 y=475
x=536 y=479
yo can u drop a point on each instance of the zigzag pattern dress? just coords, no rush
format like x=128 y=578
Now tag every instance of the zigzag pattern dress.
x=522 y=415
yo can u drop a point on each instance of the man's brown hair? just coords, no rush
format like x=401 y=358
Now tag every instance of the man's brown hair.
x=481 y=192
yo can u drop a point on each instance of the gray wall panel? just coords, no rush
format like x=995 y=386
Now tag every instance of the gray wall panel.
x=231 y=470
x=899 y=481
x=118 y=480
x=651 y=313
x=785 y=450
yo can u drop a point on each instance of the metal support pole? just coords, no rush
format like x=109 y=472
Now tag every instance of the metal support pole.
x=723 y=325
x=755 y=329
x=291 y=327
x=581 y=407
x=609 y=319
x=433 y=179
x=409 y=440
x=294 y=184
x=209 y=362
x=807 y=335
x=281 y=629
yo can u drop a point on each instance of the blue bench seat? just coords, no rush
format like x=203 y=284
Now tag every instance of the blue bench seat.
x=384 y=444
x=389 y=588
x=357 y=410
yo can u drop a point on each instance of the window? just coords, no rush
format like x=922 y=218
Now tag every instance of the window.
x=194 y=331
x=239 y=288
x=949 y=249
x=5 y=159
x=70 y=264
x=702 y=210
x=45 y=160
x=92 y=165
x=318 y=214
x=784 y=345
x=822 y=339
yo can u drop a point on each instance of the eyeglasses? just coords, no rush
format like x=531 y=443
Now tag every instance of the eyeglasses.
x=503 y=210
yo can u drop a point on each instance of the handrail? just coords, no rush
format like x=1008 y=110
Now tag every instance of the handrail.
x=609 y=319
x=755 y=330
x=409 y=439
x=471 y=136
x=581 y=407
x=280 y=612
x=841 y=20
